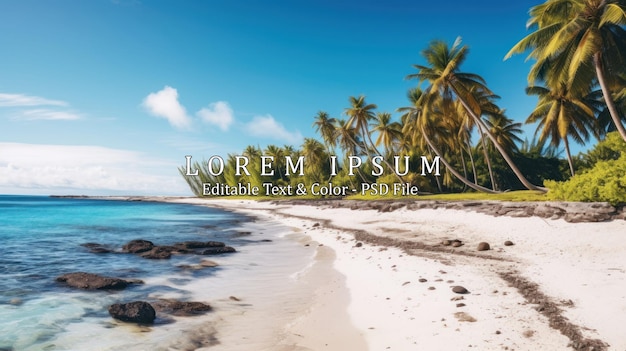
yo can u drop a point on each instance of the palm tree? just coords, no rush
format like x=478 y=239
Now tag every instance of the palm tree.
x=562 y=115
x=360 y=114
x=446 y=80
x=575 y=40
x=347 y=138
x=505 y=130
x=389 y=133
x=419 y=126
x=325 y=125
x=279 y=158
x=314 y=153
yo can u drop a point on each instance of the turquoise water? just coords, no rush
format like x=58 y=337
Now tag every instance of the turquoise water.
x=40 y=239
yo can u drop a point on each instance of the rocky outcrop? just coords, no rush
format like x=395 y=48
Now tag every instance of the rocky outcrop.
x=573 y=212
x=218 y=250
x=190 y=245
x=181 y=308
x=138 y=246
x=90 y=281
x=148 y=249
x=135 y=312
x=97 y=248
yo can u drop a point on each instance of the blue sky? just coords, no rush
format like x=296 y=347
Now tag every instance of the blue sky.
x=108 y=96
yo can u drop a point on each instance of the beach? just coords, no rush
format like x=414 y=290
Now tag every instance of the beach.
x=381 y=279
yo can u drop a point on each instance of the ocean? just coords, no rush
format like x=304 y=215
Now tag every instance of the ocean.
x=41 y=239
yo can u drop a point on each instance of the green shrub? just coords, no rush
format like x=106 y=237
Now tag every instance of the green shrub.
x=605 y=181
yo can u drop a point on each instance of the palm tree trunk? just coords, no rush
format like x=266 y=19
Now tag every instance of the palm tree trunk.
x=453 y=171
x=569 y=155
x=487 y=159
x=369 y=137
x=464 y=168
x=437 y=180
x=597 y=62
x=469 y=148
x=503 y=152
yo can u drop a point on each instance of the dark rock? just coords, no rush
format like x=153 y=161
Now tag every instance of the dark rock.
x=158 y=253
x=483 y=246
x=181 y=308
x=460 y=304
x=422 y=280
x=199 y=244
x=97 y=248
x=89 y=281
x=508 y=243
x=134 y=312
x=359 y=244
x=234 y=298
x=218 y=250
x=138 y=246
x=459 y=290
x=316 y=225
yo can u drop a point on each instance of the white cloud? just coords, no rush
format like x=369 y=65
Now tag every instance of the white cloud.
x=218 y=113
x=63 y=169
x=267 y=127
x=13 y=100
x=45 y=114
x=164 y=103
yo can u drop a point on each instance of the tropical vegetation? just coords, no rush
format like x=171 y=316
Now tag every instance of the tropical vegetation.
x=578 y=49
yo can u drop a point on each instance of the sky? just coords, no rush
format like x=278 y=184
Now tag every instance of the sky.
x=107 y=97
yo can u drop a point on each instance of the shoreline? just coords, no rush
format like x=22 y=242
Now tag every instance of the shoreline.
x=561 y=286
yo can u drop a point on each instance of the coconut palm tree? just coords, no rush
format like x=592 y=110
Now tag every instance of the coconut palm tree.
x=325 y=125
x=279 y=158
x=575 y=41
x=423 y=127
x=315 y=154
x=445 y=79
x=360 y=114
x=347 y=139
x=505 y=130
x=561 y=116
x=389 y=133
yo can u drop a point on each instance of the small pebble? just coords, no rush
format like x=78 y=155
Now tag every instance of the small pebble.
x=459 y=289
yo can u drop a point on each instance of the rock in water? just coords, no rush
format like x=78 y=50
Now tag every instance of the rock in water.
x=483 y=246
x=199 y=244
x=90 y=281
x=218 y=250
x=158 y=253
x=134 y=312
x=459 y=290
x=181 y=308
x=138 y=246
x=208 y=263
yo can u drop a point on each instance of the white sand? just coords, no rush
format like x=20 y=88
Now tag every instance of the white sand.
x=582 y=265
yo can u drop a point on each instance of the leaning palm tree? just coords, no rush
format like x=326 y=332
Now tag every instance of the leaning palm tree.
x=325 y=125
x=561 y=116
x=389 y=133
x=505 y=130
x=444 y=78
x=428 y=130
x=575 y=41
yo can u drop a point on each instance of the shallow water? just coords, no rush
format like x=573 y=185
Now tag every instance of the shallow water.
x=41 y=240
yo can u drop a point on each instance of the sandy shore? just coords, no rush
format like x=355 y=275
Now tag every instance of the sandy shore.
x=383 y=281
